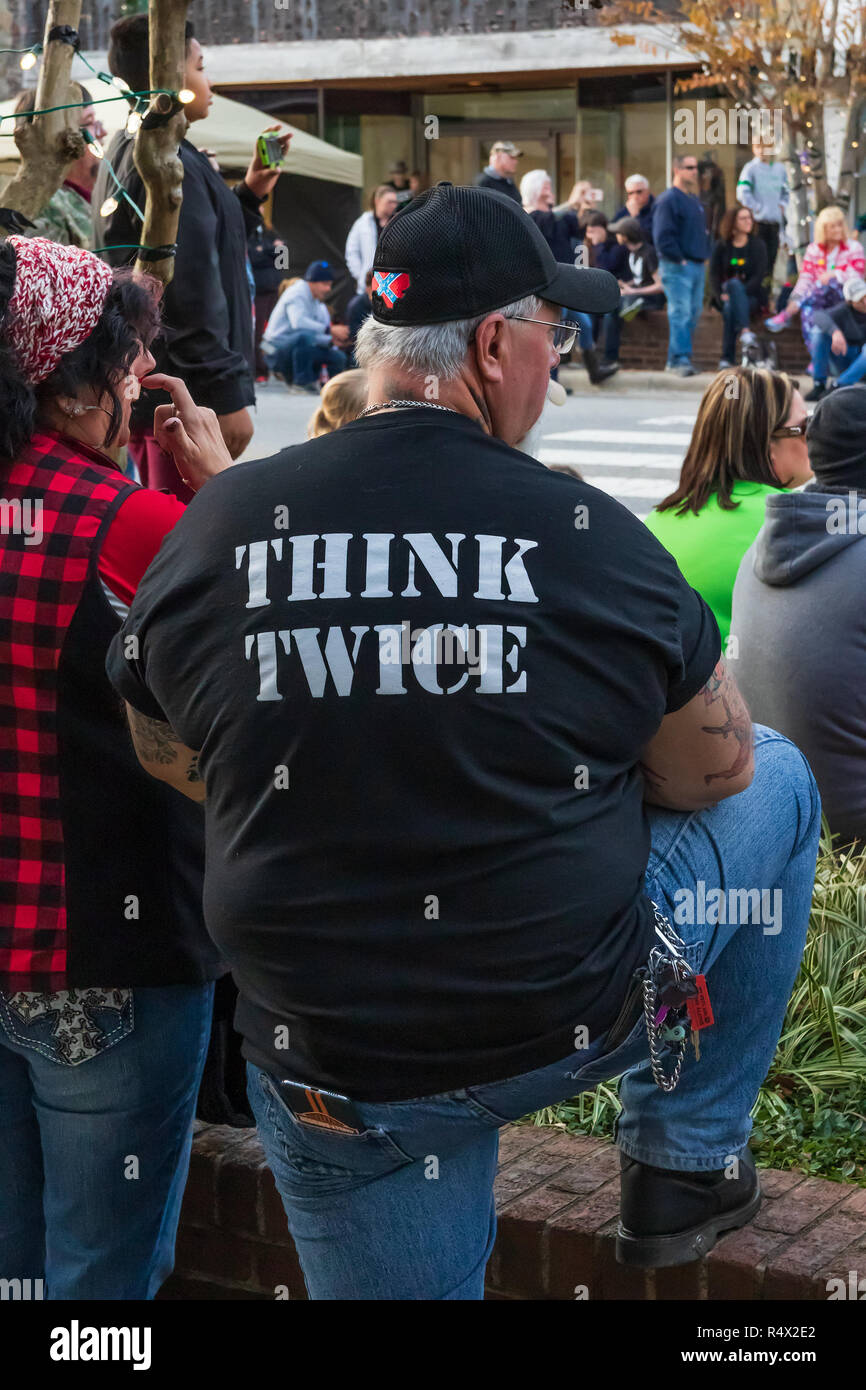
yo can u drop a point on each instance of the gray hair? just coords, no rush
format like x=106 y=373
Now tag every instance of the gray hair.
x=635 y=181
x=437 y=349
x=531 y=185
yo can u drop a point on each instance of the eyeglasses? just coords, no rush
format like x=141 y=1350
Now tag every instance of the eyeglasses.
x=793 y=431
x=564 y=334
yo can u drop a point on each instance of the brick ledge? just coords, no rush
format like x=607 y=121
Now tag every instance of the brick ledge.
x=557 y=1196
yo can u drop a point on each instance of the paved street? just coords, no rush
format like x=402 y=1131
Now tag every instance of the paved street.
x=628 y=444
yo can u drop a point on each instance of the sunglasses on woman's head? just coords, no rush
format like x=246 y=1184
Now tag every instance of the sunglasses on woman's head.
x=792 y=431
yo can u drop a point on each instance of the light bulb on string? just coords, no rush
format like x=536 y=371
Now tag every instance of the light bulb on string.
x=133 y=122
x=185 y=96
x=108 y=207
x=27 y=60
x=120 y=83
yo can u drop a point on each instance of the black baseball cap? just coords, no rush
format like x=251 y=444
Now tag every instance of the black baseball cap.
x=455 y=252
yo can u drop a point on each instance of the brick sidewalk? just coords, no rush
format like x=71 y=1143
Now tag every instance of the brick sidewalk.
x=558 y=1200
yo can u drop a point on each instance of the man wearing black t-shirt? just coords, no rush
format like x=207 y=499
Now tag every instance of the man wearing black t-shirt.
x=459 y=719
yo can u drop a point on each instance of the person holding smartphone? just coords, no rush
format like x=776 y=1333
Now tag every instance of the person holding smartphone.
x=207 y=306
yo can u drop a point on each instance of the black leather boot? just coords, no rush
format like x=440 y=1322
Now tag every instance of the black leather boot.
x=597 y=371
x=669 y=1217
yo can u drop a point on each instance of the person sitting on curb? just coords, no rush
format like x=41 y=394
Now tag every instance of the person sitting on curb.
x=839 y=340
x=805 y=574
x=299 y=338
x=640 y=287
x=748 y=442
x=738 y=269
x=477 y=955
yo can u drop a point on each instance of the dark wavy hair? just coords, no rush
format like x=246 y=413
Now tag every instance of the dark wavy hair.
x=130 y=316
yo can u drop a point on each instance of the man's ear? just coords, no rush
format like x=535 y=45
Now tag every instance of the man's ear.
x=491 y=347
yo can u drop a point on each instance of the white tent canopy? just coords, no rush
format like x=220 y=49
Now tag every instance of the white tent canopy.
x=231 y=131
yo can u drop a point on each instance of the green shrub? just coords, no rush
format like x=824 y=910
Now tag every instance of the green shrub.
x=811 y=1111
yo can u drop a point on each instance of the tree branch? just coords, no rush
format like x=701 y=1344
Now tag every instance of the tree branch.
x=156 y=150
x=48 y=144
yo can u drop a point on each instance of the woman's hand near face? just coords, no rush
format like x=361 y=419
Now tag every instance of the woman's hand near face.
x=190 y=433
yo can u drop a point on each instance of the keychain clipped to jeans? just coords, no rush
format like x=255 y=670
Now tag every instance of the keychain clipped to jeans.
x=672 y=993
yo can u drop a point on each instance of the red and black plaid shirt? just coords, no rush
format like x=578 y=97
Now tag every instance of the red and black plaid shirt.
x=69 y=491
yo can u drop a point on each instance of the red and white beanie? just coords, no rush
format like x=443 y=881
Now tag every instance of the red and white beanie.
x=59 y=295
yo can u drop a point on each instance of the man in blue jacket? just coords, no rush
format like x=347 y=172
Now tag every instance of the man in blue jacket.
x=683 y=245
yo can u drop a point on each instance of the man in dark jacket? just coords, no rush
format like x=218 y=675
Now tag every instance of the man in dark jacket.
x=639 y=204
x=840 y=333
x=207 y=306
x=799 y=617
x=498 y=174
x=683 y=245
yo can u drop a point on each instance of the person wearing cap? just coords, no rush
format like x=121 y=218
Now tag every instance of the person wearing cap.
x=365 y=232
x=639 y=204
x=106 y=971
x=640 y=286
x=839 y=340
x=398 y=179
x=499 y=173
x=300 y=339
x=681 y=239
x=798 y=613
x=453 y=716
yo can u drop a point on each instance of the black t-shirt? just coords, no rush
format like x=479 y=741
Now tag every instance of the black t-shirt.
x=424 y=874
x=643 y=264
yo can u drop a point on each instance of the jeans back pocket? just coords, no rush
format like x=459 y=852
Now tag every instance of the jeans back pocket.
x=68 y=1026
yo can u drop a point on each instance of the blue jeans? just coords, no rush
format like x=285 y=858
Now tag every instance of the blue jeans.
x=850 y=365
x=405 y=1210
x=684 y=289
x=736 y=312
x=94 y=1156
x=298 y=356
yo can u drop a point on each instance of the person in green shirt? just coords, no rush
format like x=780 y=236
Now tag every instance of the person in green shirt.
x=749 y=440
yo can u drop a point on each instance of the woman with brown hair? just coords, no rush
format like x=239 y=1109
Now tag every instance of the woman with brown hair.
x=738 y=268
x=749 y=440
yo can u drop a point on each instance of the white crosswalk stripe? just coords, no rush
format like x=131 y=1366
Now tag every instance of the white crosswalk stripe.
x=636 y=466
x=611 y=458
x=589 y=436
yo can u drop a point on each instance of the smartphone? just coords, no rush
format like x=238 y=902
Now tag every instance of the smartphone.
x=270 y=151
x=595 y=195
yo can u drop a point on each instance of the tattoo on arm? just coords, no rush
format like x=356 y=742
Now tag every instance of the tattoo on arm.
x=155 y=741
x=192 y=772
x=737 y=725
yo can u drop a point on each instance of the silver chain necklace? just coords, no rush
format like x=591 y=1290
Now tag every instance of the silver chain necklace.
x=395 y=405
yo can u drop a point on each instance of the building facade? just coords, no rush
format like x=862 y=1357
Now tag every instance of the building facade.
x=435 y=82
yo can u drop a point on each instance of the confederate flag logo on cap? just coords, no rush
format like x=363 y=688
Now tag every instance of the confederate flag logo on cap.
x=390 y=285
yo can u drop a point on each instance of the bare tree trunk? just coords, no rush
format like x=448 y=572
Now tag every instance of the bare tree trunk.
x=48 y=144
x=850 y=156
x=156 y=150
x=798 y=210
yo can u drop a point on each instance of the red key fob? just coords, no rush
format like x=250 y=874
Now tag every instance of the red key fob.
x=700 y=1009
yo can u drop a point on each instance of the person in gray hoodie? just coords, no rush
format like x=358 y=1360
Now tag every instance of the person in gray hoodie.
x=799 y=615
